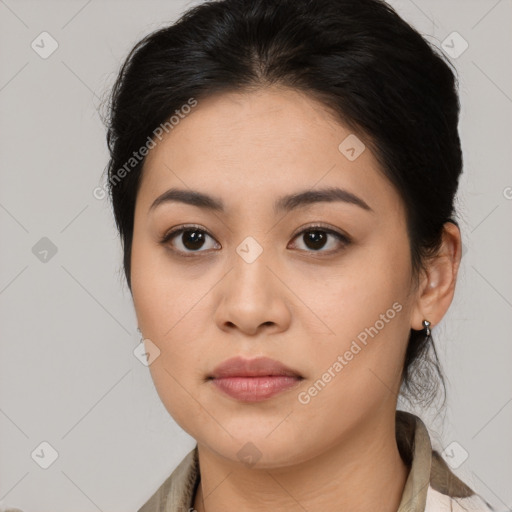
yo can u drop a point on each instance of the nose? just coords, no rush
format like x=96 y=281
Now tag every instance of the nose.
x=253 y=298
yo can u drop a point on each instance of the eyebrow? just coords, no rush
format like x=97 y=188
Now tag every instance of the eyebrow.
x=283 y=204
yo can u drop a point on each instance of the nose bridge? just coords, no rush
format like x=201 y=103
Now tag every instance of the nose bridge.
x=251 y=294
x=250 y=272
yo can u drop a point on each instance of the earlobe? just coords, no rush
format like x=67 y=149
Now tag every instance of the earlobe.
x=437 y=288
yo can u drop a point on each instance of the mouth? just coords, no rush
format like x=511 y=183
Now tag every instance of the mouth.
x=253 y=380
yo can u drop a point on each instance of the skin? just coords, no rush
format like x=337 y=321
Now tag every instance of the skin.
x=301 y=306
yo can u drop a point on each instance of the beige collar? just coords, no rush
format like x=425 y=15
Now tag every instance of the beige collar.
x=414 y=496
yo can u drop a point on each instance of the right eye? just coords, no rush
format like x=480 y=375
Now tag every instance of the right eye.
x=189 y=239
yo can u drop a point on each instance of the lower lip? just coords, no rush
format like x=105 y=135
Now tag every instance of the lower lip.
x=255 y=389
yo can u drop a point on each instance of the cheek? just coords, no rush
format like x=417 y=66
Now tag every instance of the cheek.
x=363 y=309
x=162 y=298
x=168 y=307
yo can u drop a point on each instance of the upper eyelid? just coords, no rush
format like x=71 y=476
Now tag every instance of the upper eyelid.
x=321 y=227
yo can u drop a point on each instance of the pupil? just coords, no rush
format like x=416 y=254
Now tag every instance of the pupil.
x=196 y=238
x=316 y=238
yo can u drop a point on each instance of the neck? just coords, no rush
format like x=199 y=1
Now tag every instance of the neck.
x=363 y=471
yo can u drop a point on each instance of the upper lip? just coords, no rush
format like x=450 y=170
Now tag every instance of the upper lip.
x=257 y=367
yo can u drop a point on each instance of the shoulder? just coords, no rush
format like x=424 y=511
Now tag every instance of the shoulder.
x=439 y=502
x=431 y=485
x=447 y=492
x=177 y=491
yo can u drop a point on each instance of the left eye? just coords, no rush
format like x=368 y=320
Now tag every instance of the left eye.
x=316 y=238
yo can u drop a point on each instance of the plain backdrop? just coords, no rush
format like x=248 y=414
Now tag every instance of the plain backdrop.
x=68 y=375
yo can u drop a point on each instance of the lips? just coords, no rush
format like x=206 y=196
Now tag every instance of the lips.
x=258 y=367
x=253 y=380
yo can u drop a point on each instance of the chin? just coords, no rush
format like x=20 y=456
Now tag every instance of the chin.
x=257 y=447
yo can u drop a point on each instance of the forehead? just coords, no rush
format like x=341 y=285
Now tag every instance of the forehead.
x=250 y=146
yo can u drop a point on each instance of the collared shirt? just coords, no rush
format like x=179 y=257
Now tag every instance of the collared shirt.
x=430 y=485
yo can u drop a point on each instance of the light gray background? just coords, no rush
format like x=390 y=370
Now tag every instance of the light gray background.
x=68 y=375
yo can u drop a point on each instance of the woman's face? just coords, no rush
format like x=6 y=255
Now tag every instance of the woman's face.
x=250 y=280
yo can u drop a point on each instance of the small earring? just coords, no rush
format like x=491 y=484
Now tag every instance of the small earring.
x=426 y=327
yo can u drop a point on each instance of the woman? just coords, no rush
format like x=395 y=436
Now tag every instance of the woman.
x=283 y=175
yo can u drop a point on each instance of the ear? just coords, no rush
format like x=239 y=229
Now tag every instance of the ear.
x=437 y=287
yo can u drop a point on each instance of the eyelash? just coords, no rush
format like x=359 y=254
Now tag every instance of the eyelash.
x=344 y=239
